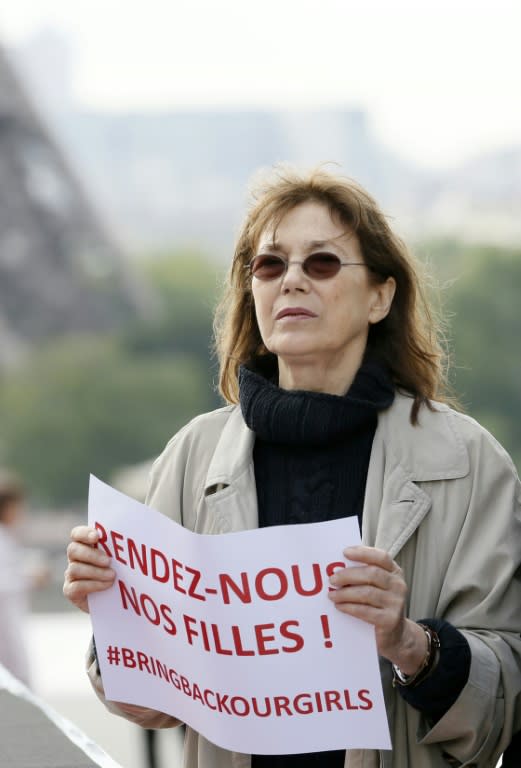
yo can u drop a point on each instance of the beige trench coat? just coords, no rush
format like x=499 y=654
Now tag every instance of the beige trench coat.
x=443 y=498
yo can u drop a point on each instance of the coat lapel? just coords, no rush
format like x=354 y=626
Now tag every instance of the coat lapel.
x=404 y=457
x=231 y=496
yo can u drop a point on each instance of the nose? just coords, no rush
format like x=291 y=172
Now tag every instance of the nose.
x=294 y=278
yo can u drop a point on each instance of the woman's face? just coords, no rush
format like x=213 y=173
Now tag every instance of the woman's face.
x=319 y=323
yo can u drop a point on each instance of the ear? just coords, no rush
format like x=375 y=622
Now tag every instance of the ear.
x=382 y=299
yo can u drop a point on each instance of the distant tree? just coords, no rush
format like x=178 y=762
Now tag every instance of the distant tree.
x=91 y=404
x=482 y=300
x=187 y=286
x=83 y=405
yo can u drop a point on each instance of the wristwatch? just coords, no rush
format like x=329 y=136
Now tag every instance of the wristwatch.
x=428 y=664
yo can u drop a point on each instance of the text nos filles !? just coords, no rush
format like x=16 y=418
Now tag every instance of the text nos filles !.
x=267 y=584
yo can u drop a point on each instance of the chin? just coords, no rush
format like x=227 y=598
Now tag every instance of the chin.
x=295 y=343
x=292 y=351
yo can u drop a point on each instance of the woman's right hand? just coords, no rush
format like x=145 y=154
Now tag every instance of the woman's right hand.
x=89 y=567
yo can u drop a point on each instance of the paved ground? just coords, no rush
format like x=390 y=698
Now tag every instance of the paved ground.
x=57 y=643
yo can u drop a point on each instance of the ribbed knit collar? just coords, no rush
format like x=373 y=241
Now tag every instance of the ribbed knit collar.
x=312 y=418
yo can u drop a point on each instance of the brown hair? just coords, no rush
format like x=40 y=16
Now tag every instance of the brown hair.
x=407 y=340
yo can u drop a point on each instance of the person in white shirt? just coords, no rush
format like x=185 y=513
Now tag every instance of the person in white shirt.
x=14 y=583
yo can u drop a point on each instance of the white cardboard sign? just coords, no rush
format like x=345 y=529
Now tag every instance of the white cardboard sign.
x=234 y=634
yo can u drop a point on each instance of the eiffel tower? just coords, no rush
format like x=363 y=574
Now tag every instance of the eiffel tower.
x=60 y=269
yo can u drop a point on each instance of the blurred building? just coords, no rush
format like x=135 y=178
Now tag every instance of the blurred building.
x=179 y=177
x=182 y=176
x=60 y=269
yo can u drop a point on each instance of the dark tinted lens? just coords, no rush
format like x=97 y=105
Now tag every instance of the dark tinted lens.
x=320 y=266
x=267 y=267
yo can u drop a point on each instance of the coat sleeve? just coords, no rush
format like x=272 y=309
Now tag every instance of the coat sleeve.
x=481 y=596
x=143 y=716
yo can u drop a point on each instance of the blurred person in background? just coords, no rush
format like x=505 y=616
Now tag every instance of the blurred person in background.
x=332 y=366
x=17 y=578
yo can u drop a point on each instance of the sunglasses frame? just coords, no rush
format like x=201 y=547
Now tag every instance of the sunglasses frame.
x=286 y=265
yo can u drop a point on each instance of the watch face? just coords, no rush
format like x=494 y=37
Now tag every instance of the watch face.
x=399 y=676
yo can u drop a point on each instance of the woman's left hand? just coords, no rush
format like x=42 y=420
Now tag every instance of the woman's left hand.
x=377 y=593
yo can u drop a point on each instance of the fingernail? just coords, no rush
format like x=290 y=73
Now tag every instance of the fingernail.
x=93 y=536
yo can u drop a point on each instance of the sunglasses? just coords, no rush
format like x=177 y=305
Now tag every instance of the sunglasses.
x=317 y=266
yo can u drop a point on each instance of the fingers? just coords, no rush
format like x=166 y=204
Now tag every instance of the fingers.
x=365 y=594
x=85 y=534
x=368 y=576
x=86 y=553
x=89 y=568
x=83 y=547
x=80 y=582
x=377 y=606
x=130 y=709
x=78 y=591
x=380 y=570
x=77 y=571
x=375 y=593
x=370 y=556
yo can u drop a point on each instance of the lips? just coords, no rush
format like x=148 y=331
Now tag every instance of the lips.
x=294 y=312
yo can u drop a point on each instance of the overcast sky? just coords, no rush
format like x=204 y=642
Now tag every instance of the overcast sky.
x=441 y=79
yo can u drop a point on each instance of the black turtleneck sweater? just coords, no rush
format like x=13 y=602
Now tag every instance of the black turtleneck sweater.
x=311 y=458
x=312 y=450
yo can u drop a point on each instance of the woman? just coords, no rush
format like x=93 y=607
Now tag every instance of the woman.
x=331 y=365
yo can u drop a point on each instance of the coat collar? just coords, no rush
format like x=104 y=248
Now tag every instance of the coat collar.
x=432 y=450
x=401 y=456
x=234 y=451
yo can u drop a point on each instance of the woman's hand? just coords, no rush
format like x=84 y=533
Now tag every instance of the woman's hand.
x=377 y=593
x=89 y=567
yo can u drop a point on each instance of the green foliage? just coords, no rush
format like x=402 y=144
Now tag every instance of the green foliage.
x=83 y=405
x=187 y=287
x=482 y=300
x=92 y=404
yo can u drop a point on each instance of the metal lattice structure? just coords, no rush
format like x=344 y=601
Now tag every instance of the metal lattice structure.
x=60 y=269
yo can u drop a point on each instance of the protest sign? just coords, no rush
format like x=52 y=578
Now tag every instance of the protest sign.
x=234 y=634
